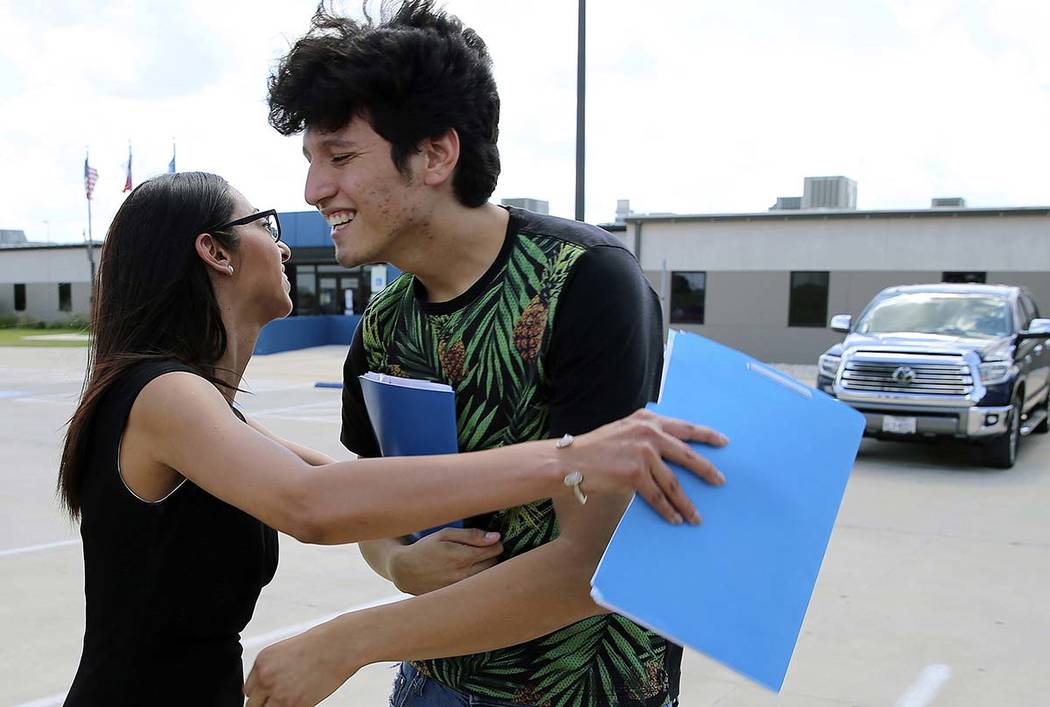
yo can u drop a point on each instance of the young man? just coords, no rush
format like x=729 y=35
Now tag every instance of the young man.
x=543 y=327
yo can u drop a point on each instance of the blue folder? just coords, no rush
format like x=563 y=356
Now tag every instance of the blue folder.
x=411 y=418
x=737 y=587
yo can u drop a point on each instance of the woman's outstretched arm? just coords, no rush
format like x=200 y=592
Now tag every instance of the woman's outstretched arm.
x=187 y=426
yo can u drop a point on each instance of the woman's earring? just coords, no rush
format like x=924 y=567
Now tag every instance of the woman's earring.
x=231 y=269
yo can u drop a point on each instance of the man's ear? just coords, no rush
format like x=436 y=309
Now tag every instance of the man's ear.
x=214 y=254
x=440 y=157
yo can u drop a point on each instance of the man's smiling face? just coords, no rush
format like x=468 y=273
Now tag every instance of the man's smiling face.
x=369 y=204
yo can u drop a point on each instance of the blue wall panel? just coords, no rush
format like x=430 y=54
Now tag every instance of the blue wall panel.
x=303 y=332
x=341 y=329
x=303 y=229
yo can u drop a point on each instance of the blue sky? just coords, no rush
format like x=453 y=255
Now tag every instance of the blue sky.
x=692 y=107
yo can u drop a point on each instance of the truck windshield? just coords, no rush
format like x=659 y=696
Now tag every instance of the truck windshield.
x=938 y=313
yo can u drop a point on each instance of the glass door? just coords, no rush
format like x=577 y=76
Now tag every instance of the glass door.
x=336 y=291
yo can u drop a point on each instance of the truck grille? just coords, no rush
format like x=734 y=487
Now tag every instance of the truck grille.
x=944 y=376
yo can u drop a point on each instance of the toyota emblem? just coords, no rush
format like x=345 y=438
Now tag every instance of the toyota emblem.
x=904 y=375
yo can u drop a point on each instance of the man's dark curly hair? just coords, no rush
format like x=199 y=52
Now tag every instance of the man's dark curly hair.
x=414 y=75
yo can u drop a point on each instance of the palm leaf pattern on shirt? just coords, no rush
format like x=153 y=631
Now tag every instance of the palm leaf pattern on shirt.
x=492 y=352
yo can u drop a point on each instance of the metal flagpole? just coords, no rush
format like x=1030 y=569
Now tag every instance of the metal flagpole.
x=581 y=77
x=91 y=256
x=90 y=239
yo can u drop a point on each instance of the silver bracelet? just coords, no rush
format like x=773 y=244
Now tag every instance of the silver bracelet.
x=573 y=479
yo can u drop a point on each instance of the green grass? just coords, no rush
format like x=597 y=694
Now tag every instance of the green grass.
x=15 y=337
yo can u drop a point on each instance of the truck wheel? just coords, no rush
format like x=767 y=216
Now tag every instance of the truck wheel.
x=1043 y=427
x=1001 y=451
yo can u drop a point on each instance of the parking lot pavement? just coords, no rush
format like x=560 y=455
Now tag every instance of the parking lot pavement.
x=933 y=590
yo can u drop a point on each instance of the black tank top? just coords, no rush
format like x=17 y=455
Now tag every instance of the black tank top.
x=169 y=584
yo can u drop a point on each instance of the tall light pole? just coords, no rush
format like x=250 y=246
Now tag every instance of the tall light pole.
x=581 y=75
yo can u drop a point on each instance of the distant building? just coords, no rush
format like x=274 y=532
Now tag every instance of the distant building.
x=768 y=282
x=537 y=205
x=48 y=282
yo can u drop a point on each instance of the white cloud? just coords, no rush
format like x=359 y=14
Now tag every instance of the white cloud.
x=691 y=106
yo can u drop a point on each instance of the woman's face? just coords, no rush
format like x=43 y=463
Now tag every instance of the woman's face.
x=259 y=281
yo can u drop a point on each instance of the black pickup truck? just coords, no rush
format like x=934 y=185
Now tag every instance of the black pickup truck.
x=964 y=361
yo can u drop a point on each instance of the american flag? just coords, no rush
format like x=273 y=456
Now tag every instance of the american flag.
x=90 y=177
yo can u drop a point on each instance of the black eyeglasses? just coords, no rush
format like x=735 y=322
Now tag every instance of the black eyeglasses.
x=273 y=224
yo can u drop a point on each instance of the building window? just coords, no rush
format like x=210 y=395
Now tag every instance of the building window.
x=964 y=277
x=687 y=297
x=305 y=289
x=808 y=304
x=20 y=298
x=65 y=297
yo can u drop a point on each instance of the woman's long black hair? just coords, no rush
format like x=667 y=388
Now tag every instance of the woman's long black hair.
x=153 y=298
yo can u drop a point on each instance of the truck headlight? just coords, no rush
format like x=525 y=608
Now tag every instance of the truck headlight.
x=994 y=371
x=828 y=365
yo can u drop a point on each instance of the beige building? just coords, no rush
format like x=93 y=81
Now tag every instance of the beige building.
x=767 y=283
x=46 y=282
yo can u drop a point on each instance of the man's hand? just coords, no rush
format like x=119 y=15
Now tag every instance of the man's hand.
x=300 y=671
x=443 y=558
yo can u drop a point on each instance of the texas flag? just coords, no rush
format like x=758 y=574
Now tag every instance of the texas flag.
x=127 y=182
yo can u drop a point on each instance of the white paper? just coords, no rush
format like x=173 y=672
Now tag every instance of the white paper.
x=407 y=382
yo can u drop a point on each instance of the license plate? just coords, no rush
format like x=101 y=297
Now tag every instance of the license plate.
x=898 y=425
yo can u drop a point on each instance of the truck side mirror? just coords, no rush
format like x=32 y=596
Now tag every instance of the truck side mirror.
x=842 y=322
x=1038 y=329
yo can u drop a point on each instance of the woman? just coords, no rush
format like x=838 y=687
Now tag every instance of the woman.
x=179 y=499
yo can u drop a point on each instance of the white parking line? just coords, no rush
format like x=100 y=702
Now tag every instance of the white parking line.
x=64 y=399
x=302 y=418
x=930 y=681
x=35 y=548
x=269 y=637
x=45 y=701
x=255 y=643
x=334 y=405
x=253 y=386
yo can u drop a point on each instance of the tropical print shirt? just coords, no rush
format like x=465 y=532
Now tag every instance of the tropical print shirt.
x=562 y=334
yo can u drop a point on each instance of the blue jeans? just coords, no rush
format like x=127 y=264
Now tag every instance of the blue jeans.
x=413 y=689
